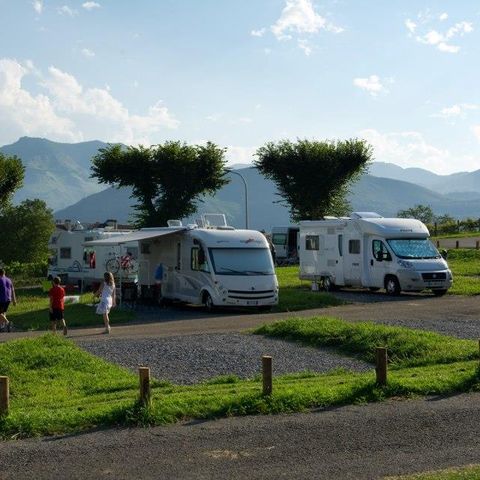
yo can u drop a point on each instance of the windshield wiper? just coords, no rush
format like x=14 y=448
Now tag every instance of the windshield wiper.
x=231 y=270
x=256 y=272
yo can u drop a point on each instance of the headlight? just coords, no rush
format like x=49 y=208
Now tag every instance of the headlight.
x=404 y=263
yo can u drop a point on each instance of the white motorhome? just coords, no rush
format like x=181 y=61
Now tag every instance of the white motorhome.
x=73 y=262
x=285 y=240
x=208 y=263
x=367 y=250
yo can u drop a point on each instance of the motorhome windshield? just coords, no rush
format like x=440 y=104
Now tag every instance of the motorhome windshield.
x=241 y=261
x=413 y=248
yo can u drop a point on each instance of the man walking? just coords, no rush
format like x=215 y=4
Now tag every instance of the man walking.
x=7 y=295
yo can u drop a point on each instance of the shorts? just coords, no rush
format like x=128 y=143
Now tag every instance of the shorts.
x=4 y=307
x=56 y=314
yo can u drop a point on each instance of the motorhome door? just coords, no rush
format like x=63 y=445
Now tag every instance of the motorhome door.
x=353 y=262
x=379 y=262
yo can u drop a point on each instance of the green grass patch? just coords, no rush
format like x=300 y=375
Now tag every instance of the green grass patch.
x=31 y=311
x=465 y=266
x=470 y=472
x=406 y=347
x=295 y=294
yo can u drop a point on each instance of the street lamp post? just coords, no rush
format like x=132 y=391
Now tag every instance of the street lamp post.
x=246 y=194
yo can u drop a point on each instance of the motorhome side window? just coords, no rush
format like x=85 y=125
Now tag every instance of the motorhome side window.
x=380 y=251
x=312 y=242
x=65 y=252
x=354 y=246
x=198 y=260
x=279 y=238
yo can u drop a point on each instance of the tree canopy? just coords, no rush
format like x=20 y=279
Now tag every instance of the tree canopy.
x=167 y=180
x=424 y=213
x=12 y=173
x=313 y=177
x=25 y=229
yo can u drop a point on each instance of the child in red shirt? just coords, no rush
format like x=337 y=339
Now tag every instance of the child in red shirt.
x=57 y=305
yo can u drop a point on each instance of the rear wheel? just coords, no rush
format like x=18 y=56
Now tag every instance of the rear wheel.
x=439 y=293
x=392 y=286
x=328 y=285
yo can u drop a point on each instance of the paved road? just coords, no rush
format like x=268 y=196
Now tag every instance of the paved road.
x=354 y=442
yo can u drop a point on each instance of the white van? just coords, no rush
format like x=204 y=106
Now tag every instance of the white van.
x=211 y=265
x=367 y=250
x=285 y=240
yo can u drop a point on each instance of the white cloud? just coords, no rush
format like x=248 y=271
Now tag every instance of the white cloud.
x=410 y=149
x=90 y=5
x=299 y=21
x=457 y=110
x=70 y=112
x=476 y=131
x=87 y=53
x=66 y=10
x=258 y=33
x=431 y=36
x=371 y=84
x=243 y=155
x=38 y=6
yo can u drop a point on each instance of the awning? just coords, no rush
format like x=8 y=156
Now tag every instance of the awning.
x=134 y=237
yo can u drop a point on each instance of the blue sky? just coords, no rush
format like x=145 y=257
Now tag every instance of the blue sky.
x=402 y=74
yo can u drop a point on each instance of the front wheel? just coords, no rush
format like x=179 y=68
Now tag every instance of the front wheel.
x=112 y=265
x=208 y=302
x=440 y=293
x=392 y=286
x=328 y=284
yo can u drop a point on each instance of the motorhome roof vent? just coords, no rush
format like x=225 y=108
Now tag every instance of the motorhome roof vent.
x=327 y=217
x=174 y=223
x=365 y=215
x=214 y=220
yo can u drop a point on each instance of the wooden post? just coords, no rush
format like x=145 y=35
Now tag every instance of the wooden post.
x=438 y=243
x=4 y=395
x=144 y=373
x=381 y=365
x=457 y=244
x=477 y=245
x=435 y=228
x=267 y=374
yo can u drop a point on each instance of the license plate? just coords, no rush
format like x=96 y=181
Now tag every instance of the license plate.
x=434 y=284
x=252 y=302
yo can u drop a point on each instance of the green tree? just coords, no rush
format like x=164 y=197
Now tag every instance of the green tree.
x=12 y=173
x=25 y=229
x=313 y=177
x=424 y=213
x=167 y=180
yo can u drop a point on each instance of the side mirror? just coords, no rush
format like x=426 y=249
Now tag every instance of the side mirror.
x=379 y=257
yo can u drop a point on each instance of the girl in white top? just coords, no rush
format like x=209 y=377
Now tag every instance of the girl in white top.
x=106 y=292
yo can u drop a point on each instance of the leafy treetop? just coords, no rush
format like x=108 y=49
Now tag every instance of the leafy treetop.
x=167 y=180
x=313 y=177
x=12 y=173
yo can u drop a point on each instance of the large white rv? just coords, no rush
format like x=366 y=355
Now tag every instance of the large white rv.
x=207 y=263
x=368 y=250
x=285 y=240
x=74 y=262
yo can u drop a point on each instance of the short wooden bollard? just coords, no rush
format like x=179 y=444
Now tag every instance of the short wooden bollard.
x=477 y=245
x=267 y=374
x=381 y=365
x=438 y=243
x=4 y=395
x=457 y=244
x=144 y=374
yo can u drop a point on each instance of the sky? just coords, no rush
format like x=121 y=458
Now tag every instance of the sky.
x=402 y=74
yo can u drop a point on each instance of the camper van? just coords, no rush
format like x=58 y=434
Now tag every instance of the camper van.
x=207 y=263
x=74 y=263
x=367 y=250
x=285 y=240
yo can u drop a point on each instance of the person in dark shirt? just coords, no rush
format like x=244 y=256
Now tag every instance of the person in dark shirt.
x=7 y=296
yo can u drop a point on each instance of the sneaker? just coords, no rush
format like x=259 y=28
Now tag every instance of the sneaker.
x=107 y=330
x=65 y=331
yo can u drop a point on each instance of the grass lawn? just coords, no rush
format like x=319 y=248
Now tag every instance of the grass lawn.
x=465 y=265
x=31 y=311
x=57 y=387
x=470 y=472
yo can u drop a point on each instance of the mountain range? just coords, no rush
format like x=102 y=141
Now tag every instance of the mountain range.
x=59 y=173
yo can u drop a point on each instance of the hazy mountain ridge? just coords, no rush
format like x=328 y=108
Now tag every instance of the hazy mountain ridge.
x=59 y=173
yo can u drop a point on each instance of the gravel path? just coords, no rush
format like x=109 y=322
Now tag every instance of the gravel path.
x=189 y=359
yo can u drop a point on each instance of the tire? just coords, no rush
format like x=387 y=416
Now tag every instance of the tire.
x=392 y=286
x=328 y=285
x=112 y=265
x=208 y=302
x=440 y=293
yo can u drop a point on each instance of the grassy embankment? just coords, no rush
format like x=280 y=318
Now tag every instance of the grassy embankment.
x=56 y=387
x=470 y=472
x=465 y=265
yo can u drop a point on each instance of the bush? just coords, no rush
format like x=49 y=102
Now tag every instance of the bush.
x=19 y=270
